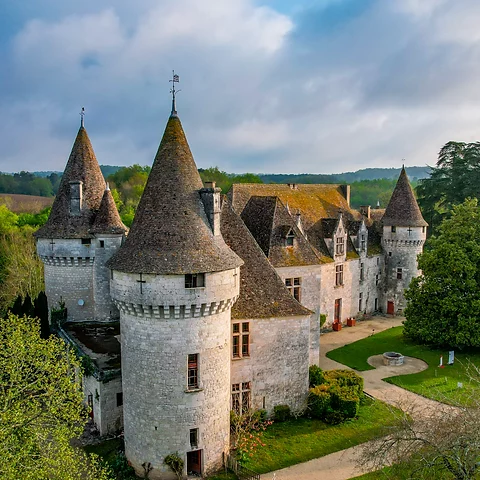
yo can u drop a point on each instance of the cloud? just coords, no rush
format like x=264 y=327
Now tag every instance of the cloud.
x=327 y=86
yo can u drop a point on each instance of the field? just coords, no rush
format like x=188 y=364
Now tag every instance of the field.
x=25 y=203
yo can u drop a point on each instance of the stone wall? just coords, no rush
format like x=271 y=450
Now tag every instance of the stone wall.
x=277 y=366
x=159 y=410
x=107 y=414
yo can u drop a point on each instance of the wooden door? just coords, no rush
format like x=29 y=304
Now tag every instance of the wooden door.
x=390 y=308
x=337 y=315
x=194 y=462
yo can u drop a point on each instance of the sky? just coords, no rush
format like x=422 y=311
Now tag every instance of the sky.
x=267 y=86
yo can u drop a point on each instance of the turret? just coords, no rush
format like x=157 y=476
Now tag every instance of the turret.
x=68 y=244
x=175 y=281
x=404 y=234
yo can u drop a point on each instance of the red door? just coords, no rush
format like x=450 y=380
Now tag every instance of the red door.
x=194 y=462
x=390 y=308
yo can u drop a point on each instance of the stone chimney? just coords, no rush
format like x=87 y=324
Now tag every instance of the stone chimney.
x=365 y=211
x=298 y=221
x=345 y=189
x=76 y=194
x=210 y=195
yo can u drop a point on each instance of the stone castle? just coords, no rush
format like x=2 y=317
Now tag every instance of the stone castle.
x=211 y=303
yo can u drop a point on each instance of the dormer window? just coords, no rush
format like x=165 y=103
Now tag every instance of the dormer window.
x=340 y=245
x=194 y=280
x=289 y=239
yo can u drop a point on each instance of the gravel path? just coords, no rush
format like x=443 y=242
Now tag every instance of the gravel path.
x=342 y=465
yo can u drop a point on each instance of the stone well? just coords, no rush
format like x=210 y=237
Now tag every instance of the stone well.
x=392 y=358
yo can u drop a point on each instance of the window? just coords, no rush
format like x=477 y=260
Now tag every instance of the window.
x=290 y=239
x=360 y=301
x=376 y=304
x=363 y=243
x=423 y=229
x=86 y=241
x=362 y=272
x=102 y=243
x=119 y=399
x=241 y=397
x=194 y=280
x=293 y=286
x=389 y=254
x=338 y=275
x=399 y=273
x=339 y=246
x=377 y=278
x=393 y=228
x=192 y=375
x=241 y=340
x=194 y=437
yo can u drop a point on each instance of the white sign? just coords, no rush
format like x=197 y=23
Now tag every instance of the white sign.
x=451 y=357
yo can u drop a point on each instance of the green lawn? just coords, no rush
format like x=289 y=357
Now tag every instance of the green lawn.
x=396 y=473
x=436 y=383
x=296 y=441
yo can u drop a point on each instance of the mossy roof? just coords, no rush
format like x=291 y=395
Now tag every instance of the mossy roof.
x=170 y=233
x=107 y=220
x=262 y=292
x=402 y=209
x=82 y=166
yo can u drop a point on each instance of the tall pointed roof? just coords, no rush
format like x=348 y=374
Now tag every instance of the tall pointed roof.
x=403 y=209
x=171 y=233
x=107 y=219
x=81 y=166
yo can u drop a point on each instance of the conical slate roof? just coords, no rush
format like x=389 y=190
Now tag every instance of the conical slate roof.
x=403 y=210
x=81 y=166
x=107 y=219
x=171 y=233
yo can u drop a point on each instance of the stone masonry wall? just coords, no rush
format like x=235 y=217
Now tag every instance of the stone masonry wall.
x=278 y=363
x=159 y=410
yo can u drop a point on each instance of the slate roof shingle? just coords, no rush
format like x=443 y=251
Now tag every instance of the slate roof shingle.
x=108 y=220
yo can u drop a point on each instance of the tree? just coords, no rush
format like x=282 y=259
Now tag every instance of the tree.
x=455 y=177
x=440 y=442
x=41 y=407
x=443 y=302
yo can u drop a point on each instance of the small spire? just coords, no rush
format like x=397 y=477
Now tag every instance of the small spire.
x=82 y=114
x=175 y=79
x=378 y=203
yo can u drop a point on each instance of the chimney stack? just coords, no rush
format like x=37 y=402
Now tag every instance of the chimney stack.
x=210 y=196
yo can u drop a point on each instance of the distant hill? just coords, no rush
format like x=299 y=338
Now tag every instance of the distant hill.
x=107 y=170
x=414 y=173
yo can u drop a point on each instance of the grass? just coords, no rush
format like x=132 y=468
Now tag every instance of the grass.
x=434 y=382
x=297 y=441
x=223 y=476
x=107 y=450
x=399 y=473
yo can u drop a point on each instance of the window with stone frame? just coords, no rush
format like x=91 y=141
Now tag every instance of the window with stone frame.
x=194 y=280
x=290 y=239
x=399 y=273
x=362 y=272
x=192 y=371
x=294 y=286
x=194 y=437
x=360 y=301
x=240 y=339
x=377 y=279
x=363 y=243
x=339 y=275
x=241 y=397
x=393 y=228
x=339 y=245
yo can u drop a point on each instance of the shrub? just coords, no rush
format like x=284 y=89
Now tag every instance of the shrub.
x=345 y=378
x=345 y=401
x=334 y=417
x=281 y=413
x=315 y=376
x=175 y=463
x=260 y=415
x=319 y=400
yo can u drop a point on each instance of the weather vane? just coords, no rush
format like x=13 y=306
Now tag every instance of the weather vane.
x=82 y=114
x=175 y=79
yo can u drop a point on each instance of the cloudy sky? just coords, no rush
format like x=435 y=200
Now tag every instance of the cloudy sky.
x=317 y=86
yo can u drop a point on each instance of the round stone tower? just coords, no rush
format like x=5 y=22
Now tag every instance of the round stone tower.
x=404 y=234
x=175 y=281
x=81 y=233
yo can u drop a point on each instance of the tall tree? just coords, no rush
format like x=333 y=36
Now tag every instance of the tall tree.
x=443 y=302
x=455 y=177
x=41 y=407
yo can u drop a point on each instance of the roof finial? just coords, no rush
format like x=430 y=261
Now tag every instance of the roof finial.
x=107 y=186
x=175 y=79
x=82 y=114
